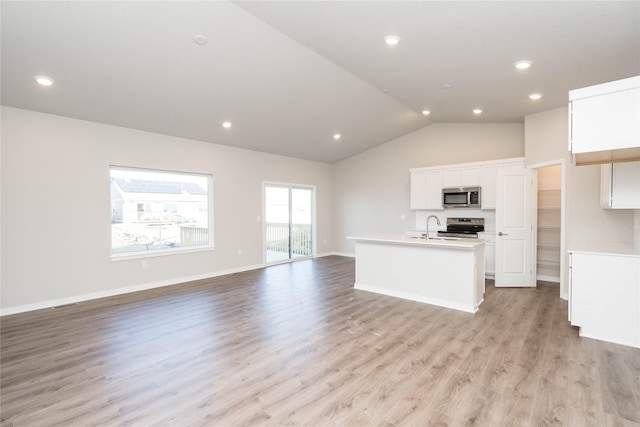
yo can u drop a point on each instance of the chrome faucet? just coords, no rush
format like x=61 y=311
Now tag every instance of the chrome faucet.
x=426 y=236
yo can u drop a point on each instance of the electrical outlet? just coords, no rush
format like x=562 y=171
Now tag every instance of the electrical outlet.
x=324 y=241
x=144 y=264
x=239 y=251
x=402 y=217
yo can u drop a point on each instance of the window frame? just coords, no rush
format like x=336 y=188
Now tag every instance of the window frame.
x=148 y=253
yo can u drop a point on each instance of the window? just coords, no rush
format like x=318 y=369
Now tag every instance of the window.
x=155 y=212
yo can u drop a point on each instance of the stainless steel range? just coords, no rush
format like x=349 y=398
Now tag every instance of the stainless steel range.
x=463 y=227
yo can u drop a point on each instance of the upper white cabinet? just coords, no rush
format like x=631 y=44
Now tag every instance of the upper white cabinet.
x=426 y=189
x=620 y=185
x=427 y=183
x=470 y=176
x=604 y=124
x=418 y=190
x=433 y=197
x=489 y=176
x=462 y=176
x=488 y=180
x=452 y=177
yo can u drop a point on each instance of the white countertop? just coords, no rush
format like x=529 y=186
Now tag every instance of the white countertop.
x=402 y=239
x=604 y=248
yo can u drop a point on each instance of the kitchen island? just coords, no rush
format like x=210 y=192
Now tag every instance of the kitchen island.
x=444 y=272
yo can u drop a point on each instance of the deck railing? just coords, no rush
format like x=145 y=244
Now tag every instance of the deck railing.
x=193 y=236
x=277 y=238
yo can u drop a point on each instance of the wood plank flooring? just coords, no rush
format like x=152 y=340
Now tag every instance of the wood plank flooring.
x=295 y=344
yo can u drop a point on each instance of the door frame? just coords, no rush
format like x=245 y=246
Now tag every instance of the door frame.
x=264 y=220
x=564 y=256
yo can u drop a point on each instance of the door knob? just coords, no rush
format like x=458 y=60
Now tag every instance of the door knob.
x=502 y=234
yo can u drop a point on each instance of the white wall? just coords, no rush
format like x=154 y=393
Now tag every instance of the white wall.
x=371 y=190
x=55 y=206
x=546 y=136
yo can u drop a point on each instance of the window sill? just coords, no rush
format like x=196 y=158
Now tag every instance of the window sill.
x=158 y=253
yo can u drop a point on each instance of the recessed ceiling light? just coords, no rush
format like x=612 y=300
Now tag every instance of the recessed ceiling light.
x=535 y=96
x=200 y=40
x=385 y=90
x=226 y=125
x=44 y=80
x=523 y=65
x=477 y=111
x=426 y=112
x=446 y=86
x=392 y=40
x=337 y=136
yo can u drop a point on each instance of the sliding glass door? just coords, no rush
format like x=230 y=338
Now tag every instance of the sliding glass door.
x=288 y=216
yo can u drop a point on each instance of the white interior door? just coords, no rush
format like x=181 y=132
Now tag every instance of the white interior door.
x=514 y=230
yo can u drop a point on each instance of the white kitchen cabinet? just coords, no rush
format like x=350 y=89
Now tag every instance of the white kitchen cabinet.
x=462 y=176
x=603 y=121
x=418 y=190
x=620 y=185
x=488 y=180
x=452 y=177
x=434 y=189
x=488 y=183
x=605 y=296
x=426 y=189
x=470 y=176
x=427 y=183
x=519 y=164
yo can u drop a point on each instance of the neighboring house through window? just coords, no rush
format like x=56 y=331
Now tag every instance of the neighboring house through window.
x=154 y=212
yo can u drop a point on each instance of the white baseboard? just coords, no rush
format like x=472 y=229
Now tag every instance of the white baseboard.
x=120 y=291
x=135 y=288
x=345 y=254
x=544 y=278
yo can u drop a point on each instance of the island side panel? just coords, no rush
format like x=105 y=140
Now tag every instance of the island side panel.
x=479 y=279
x=427 y=273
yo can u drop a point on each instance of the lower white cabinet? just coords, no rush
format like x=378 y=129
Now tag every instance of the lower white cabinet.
x=620 y=185
x=605 y=296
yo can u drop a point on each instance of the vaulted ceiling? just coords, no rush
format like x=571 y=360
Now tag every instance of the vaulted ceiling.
x=290 y=75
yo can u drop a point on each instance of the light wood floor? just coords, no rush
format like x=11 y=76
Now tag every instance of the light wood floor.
x=295 y=344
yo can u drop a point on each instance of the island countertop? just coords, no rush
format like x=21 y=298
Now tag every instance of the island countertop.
x=448 y=273
x=402 y=239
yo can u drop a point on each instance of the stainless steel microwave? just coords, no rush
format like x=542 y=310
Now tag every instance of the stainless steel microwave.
x=461 y=197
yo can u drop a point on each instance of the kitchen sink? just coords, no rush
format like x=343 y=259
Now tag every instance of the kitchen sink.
x=436 y=238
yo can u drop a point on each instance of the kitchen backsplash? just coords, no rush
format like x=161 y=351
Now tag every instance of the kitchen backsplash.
x=489 y=218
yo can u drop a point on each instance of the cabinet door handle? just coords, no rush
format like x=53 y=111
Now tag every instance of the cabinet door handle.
x=502 y=234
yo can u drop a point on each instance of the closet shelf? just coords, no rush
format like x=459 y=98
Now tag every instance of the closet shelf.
x=548 y=263
x=553 y=245
x=548 y=227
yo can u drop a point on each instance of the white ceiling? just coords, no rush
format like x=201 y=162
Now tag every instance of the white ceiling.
x=291 y=74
